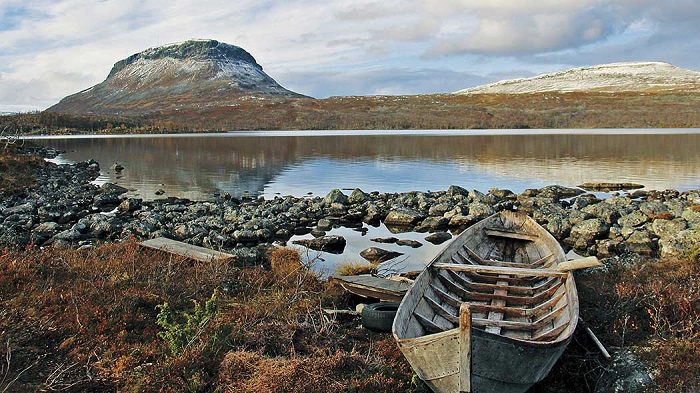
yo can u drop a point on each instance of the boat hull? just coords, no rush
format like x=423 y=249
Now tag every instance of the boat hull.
x=501 y=358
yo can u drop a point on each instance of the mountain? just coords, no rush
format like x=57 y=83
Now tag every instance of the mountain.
x=614 y=77
x=192 y=74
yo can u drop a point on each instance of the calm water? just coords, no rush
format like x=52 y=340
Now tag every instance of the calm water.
x=313 y=163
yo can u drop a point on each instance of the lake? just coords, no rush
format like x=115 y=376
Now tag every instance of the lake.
x=299 y=163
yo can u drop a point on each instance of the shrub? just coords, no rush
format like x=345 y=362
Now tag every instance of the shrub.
x=180 y=335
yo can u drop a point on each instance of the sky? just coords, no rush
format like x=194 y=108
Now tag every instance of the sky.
x=52 y=48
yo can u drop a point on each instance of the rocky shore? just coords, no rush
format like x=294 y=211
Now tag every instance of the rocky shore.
x=65 y=208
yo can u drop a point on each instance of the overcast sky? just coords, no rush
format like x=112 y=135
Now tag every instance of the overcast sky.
x=53 y=48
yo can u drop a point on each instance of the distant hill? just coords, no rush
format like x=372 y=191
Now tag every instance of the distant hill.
x=615 y=77
x=192 y=74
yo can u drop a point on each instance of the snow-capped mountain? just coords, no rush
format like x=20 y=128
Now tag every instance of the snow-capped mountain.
x=194 y=73
x=614 y=77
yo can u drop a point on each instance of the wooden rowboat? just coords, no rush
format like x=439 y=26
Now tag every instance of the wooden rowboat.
x=492 y=312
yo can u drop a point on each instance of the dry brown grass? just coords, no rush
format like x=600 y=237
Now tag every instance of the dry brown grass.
x=17 y=171
x=435 y=111
x=87 y=318
x=354 y=268
x=653 y=307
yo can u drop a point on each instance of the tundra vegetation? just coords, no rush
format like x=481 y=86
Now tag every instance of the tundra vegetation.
x=436 y=111
x=117 y=317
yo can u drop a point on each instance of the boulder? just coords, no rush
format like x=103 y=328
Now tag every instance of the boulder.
x=377 y=255
x=604 y=210
x=334 y=244
x=403 y=217
x=384 y=240
x=655 y=209
x=112 y=188
x=358 y=196
x=585 y=233
x=409 y=243
x=668 y=228
x=480 y=210
x=432 y=223
x=47 y=229
x=559 y=192
x=634 y=219
x=335 y=196
x=640 y=242
x=438 y=237
x=680 y=243
x=626 y=373
x=457 y=190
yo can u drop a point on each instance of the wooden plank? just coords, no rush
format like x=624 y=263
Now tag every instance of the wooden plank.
x=465 y=348
x=502 y=270
x=510 y=235
x=186 y=250
x=374 y=287
x=497 y=315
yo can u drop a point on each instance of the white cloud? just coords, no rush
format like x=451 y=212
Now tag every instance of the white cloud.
x=52 y=48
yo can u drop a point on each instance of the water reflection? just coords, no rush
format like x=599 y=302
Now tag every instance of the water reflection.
x=195 y=167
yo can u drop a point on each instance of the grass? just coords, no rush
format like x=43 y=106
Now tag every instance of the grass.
x=17 y=171
x=89 y=320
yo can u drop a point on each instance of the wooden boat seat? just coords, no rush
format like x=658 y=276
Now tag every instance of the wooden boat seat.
x=497 y=232
x=475 y=259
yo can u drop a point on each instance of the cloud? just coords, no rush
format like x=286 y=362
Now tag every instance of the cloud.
x=378 y=81
x=52 y=48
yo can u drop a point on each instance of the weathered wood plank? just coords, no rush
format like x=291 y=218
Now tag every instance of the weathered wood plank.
x=186 y=250
x=501 y=270
x=465 y=349
x=374 y=287
x=510 y=235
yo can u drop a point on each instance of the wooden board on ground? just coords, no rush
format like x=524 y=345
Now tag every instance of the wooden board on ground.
x=186 y=250
x=374 y=287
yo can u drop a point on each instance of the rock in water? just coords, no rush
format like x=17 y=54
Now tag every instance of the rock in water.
x=334 y=244
x=377 y=255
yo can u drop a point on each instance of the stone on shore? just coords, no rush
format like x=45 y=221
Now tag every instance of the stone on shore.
x=403 y=217
x=438 y=237
x=334 y=244
x=377 y=255
x=335 y=196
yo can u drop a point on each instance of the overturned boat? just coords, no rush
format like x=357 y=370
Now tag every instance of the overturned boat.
x=492 y=312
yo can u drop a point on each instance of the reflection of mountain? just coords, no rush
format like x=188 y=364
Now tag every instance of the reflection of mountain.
x=203 y=164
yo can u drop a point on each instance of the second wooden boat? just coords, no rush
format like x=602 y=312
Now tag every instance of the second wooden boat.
x=491 y=313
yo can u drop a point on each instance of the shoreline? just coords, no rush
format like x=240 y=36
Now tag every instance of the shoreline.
x=66 y=209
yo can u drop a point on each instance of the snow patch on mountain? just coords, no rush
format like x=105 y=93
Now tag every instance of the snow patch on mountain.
x=615 y=77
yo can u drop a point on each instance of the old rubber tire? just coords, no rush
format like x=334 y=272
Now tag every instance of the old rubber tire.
x=379 y=316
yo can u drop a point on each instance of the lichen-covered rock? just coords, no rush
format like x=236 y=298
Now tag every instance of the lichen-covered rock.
x=377 y=255
x=358 y=196
x=680 y=243
x=668 y=228
x=606 y=211
x=634 y=219
x=559 y=192
x=403 y=217
x=640 y=242
x=335 y=196
x=585 y=233
x=480 y=210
